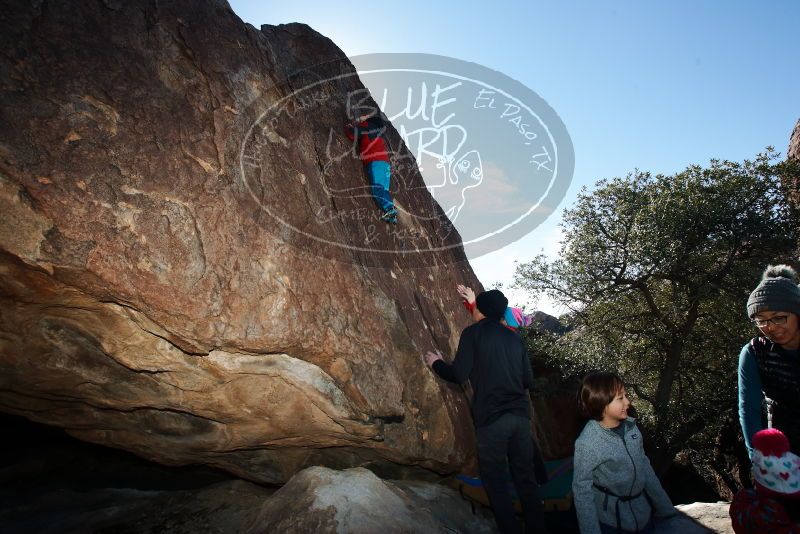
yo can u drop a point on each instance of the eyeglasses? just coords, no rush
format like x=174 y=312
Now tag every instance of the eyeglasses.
x=777 y=321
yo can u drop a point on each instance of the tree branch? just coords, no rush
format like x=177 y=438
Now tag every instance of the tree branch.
x=642 y=395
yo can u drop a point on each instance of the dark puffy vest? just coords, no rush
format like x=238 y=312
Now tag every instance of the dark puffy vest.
x=780 y=381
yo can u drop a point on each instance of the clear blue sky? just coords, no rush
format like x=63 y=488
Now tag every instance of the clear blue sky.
x=649 y=85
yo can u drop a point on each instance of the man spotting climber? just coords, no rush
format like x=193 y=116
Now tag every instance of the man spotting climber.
x=369 y=129
x=494 y=360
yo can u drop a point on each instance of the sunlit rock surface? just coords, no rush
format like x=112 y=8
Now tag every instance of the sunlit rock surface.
x=150 y=299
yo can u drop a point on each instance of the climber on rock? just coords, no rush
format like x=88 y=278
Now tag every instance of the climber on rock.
x=493 y=358
x=368 y=130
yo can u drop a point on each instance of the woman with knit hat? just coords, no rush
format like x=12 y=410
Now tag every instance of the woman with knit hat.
x=769 y=365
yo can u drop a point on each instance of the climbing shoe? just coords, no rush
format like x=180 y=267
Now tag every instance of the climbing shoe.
x=390 y=216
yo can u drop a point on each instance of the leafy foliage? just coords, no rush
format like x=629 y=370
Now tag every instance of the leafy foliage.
x=656 y=271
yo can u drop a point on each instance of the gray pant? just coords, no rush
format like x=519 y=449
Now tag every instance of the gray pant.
x=503 y=445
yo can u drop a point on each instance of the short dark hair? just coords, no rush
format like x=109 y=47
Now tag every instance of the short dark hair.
x=596 y=392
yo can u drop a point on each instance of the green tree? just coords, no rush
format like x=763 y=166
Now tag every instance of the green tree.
x=656 y=271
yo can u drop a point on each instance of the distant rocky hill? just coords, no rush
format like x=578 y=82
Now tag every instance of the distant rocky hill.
x=547 y=323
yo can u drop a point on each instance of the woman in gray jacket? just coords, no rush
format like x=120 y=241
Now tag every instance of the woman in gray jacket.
x=614 y=486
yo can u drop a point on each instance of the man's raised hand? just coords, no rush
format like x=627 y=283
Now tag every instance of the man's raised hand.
x=466 y=293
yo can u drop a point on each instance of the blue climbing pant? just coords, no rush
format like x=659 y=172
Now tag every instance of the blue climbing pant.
x=380 y=177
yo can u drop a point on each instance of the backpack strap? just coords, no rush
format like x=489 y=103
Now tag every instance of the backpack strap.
x=761 y=347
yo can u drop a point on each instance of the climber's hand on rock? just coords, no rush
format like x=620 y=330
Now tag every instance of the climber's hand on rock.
x=431 y=357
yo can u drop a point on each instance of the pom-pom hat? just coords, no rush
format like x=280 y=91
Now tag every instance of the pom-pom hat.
x=777 y=292
x=775 y=469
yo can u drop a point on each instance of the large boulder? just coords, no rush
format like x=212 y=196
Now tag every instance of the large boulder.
x=356 y=501
x=794 y=143
x=177 y=278
x=793 y=153
x=705 y=516
x=316 y=499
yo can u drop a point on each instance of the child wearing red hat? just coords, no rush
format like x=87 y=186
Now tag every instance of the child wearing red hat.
x=774 y=505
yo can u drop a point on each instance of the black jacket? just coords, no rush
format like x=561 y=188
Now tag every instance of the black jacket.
x=494 y=360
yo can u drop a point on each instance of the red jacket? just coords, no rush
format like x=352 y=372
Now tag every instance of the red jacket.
x=371 y=145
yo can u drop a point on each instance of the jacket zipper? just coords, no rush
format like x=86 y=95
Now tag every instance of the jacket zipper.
x=630 y=491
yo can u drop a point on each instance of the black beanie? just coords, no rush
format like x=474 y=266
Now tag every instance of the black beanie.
x=492 y=304
x=777 y=292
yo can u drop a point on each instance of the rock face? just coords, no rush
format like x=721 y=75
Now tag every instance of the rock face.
x=166 y=283
x=219 y=508
x=712 y=516
x=556 y=419
x=794 y=143
x=793 y=153
x=315 y=500
x=356 y=501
